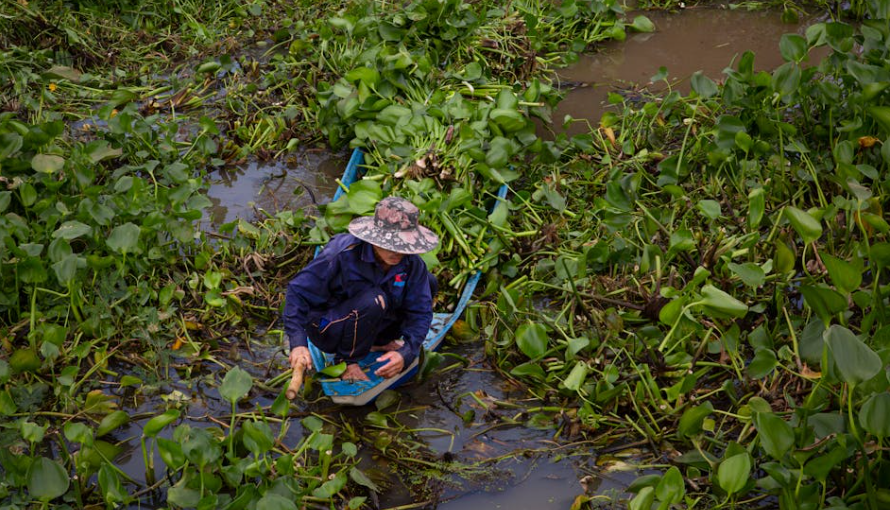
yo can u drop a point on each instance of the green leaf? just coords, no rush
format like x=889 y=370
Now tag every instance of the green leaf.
x=528 y=370
x=881 y=114
x=367 y=75
x=793 y=47
x=692 y=419
x=7 y=404
x=875 y=415
x=845 y=276
x=273 y=501
x=47 y=479
x=77 y=432
x=776 y=435
x=532 y=339
x=392 y=114
x=112 y=421
x=32 y=432
x=24 y=360
x=200 y=447
x=719 y=304
x=804 y=224
x=28 y=194
x=702 y=85
x=499 y=152
x=312 y=423
x=386 y=399
x=72 y=230
x=671 y=488
x=756 y=207
x=257 y=437
x=749 y=272
x=334 y=370
x=855 y=361
x=362 y=479
x=824 y=301
x=281 y=406
x=183 y=497
x=349 y=449
x=110 y=486
x=124 y=238
x=822 y=465
x=99 y=151
x=763 y=363
x=811 y=343
x=171 y=453
x=510 y=121
x=681 y=240
x=47 y=163
x=236 y=385
x=156 y=424
x=643 y=500
x=331 y=487
x=710 y=209
x=643 y=24
x=66 y=269
x=10 y=143
x=130 y=380
x=733 y=473
x=576 y=377
x=363 y=196
x=786 y=78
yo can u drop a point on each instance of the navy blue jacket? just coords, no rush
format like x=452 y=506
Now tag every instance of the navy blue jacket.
x=347 y=267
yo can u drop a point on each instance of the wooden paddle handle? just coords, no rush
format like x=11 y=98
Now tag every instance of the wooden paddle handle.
x=296 y=381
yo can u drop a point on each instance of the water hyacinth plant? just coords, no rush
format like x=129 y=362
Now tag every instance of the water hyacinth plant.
x=701 y=274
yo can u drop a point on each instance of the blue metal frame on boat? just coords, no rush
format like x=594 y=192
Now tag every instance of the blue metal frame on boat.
x=363 y=392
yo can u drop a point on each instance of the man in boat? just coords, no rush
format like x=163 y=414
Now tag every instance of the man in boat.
x=367 y=290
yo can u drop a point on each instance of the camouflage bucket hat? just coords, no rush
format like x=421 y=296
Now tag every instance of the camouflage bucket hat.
x=394 y=227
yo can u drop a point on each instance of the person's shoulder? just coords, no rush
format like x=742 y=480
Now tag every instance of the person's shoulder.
x=415 y=261
x=340 y=243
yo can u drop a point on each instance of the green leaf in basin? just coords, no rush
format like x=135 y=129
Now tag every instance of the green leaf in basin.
x=334 y=370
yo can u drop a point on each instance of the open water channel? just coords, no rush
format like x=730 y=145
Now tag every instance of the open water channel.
x=534 y=471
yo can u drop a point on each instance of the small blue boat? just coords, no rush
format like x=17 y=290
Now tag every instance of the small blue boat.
x=362 y=392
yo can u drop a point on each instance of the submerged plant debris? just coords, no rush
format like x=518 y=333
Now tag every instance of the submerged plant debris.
x=700 y=276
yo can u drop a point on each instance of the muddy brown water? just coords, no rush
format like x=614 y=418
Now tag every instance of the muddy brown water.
x=705 y=39
x=250 y=190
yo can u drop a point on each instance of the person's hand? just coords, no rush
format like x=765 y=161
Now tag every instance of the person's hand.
x=300 y=355
x=394 y=364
